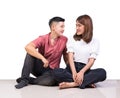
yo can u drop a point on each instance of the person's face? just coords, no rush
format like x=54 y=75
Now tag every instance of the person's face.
x=79 y=28
x=58 y=28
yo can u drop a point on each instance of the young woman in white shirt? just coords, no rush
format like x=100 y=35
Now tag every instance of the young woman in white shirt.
x=82 y=52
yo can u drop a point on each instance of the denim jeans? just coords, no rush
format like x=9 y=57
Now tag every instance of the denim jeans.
x=90 y=77
x=35 y=66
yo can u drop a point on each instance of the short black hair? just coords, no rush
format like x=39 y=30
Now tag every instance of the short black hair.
x=56 y=19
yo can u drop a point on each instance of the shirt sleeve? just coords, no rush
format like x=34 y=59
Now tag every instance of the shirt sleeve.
x=94 y=49
x=70 y=45
x=38 y=42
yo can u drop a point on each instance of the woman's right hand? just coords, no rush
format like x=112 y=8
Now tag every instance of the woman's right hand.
x=79 y=77
x=74 y=76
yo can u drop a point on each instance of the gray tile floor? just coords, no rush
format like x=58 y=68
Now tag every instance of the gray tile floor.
x=106 y=89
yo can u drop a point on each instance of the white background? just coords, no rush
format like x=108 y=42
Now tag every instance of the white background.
x=21 y=21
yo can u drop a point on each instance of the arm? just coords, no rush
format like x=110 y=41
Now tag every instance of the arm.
x=88 y=65
x=65 y=58
x=80 y=75
x=72 y=66
x=30 y=48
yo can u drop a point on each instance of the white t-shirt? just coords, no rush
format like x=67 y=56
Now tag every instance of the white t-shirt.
x=83 y=51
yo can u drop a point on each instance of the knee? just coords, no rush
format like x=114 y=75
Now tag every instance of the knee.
x=103 y=74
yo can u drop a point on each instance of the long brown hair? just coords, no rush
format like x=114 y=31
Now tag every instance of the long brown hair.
x=88 y=30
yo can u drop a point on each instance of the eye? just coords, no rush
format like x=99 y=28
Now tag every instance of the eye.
x=78 y=25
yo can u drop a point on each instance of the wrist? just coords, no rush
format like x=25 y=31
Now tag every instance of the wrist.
x=82 y=71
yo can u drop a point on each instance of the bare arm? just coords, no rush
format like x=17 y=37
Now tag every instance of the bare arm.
x=65 y=58
x=72 y=65
x=71 y=62
x=80 y=74
x=30 y=48
x=88 y=65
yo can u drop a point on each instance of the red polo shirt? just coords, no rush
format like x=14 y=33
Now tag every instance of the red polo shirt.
x=54 y=52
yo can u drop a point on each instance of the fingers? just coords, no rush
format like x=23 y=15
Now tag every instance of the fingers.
x=79 y=80
x=46 y=63
x=74 y=77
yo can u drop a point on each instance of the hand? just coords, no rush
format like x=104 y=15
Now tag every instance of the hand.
x=45 y=61
x=79 y=77
x=74 y=76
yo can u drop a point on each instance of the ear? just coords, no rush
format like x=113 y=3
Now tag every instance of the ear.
x=53 y=26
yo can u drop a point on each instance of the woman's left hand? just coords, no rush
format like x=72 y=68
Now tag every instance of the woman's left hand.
x=79 y=77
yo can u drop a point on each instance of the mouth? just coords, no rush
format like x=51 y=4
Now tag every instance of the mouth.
x=61 y=32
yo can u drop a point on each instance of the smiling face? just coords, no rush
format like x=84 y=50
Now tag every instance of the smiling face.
x=79 y=28
x=84 y=28
x=58 y=28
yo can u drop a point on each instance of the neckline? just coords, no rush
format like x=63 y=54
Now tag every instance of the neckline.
x=55 y=41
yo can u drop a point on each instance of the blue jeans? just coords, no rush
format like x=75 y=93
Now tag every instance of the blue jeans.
x=90 y=77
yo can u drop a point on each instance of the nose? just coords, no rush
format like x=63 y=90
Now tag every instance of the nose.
x=77 y=28
x=63 y=30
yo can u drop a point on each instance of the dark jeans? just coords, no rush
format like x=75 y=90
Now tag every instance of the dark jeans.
x=35 y=66
x=90 y=77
